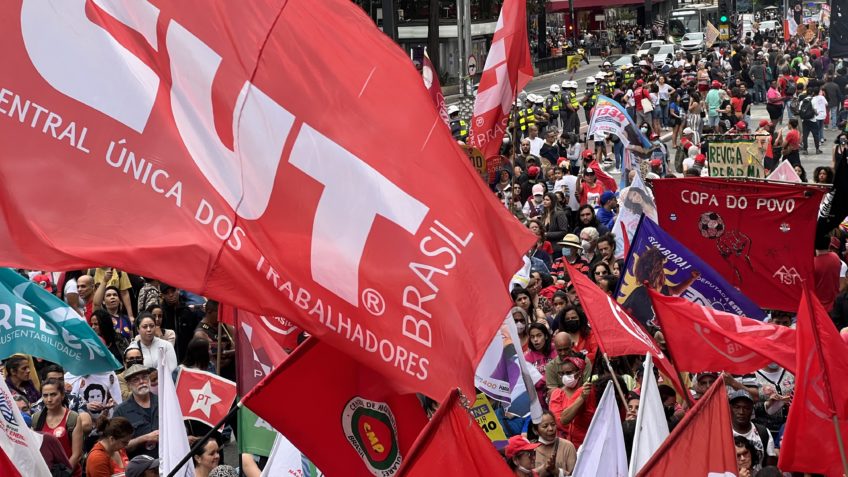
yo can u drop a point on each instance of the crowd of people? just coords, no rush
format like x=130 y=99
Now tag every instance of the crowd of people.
x=552 y=183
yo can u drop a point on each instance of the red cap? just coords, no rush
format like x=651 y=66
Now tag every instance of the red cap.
x=716 y=84
x=741 y=125
x=44 y=281
x=533 y=171
x=764 y=123
x=639 y=82
x=655 y=163
x=561 y=160
x=587 y=153
x=700 y=158
x=654 y=135
x=518 y=444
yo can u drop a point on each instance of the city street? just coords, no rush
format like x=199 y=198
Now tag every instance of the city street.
x=542 y=84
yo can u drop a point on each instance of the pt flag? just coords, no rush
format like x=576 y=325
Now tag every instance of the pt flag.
x=204 y=396
x=616 y=332
x=821 y=395
x=453 y=444
x=366 y=427
x=665 y=264
x=20 y=445
x=181 y=121
x=759 y=236
x=508 y=70
x=259 y=350
x=34 y=322
x=701 y=339
x=701 y=443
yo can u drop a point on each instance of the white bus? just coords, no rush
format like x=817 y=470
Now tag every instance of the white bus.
x=690 y=19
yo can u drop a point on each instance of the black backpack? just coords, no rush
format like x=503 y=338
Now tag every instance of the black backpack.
x=806 y=112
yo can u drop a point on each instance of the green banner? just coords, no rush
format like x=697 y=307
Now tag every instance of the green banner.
x=255 y=436
x=34 y=322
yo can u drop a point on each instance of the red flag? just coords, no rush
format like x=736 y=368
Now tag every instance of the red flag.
x=701 y=444
x=182 y=122
x=757 y=235
x=703 y=339
x=363 y=428
x=259 y=351
x=605 y=179
x=281 y=330
x=453 y=444
x=508 y=70
x=616 y=332
x=7 y=467
x=821 y=394
x=204 y=396
x=434 y=87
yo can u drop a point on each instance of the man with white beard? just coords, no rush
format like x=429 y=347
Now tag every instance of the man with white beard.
x=142 y=410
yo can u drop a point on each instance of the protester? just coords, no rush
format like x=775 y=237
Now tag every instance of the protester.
x=143 y=466
x=109 y=456
x=741 y=410
x=160 y=331
x=573 y=404
x=19 y=379
x=142 y=410
x=152 y=347
x=551 y=446
x=102 y=323
x=205 y=458
x=56 y=419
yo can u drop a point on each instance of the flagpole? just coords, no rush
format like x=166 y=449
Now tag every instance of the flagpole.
x=202 y=441
x=615 y=381
x=218 y=354
x=840 y=443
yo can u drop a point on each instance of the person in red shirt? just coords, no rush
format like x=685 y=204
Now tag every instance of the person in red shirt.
x=826 y=270
x=573 y=404
x=792 y=143
x=589 y=190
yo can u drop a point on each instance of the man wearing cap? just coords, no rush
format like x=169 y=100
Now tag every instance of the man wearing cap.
x=142 y=466
x=533 y=207
x=589 y=190
x=741 y=411
x=142 y=410
x=458 y=127
x=540 y=112
x=606 y=213
x=571 y=248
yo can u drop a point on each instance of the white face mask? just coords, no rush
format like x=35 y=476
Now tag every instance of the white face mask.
x=520 y=327
x=773 y=366
x=587 y=246
x=545 y=441
x=569 y=381
x=524 y=469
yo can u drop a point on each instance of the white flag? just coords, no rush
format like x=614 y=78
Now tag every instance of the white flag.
x=17 y=441
x=603 y=452
x=173 y=441
x=651 y=425
x=285 y=459
x=522 y=276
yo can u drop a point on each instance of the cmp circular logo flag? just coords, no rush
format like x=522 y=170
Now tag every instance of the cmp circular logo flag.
x=371 y=429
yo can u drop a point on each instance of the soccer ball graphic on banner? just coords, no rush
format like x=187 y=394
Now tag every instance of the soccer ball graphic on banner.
x=711 y=225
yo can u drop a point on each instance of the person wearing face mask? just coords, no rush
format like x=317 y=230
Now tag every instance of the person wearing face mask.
x=573 y=321
x=562 y=452
x=521 y=318
x=573 y=404
x=588 y=239
x=521 y=458
x=142 y=410
x=776 y=386
x=571 y=248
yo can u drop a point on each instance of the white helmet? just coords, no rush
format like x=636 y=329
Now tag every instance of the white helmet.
x=590 y=80
x=531 y=97
x=607 y=63
x=554 y=88
x=539 y=99
x=571 y=85
x=565 y=84
x=600 y=76
x=452 y=109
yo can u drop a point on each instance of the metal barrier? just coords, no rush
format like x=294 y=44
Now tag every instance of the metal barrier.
x=544 y=65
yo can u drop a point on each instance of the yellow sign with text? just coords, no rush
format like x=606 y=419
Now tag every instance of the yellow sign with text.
x=486 y=419
x=735 y=159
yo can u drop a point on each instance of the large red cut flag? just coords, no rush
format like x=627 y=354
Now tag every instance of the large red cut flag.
x=759 y=236
x=361 y=427
x=821 y=395
x=254 y=155
x=434 y=88
x=605 y=179
x=453 y=444
x=7 y=468
x=508 y=70
x=703 y=339
x=204 y=396
x=616 y=332
x=279 y=329
x=701 y=443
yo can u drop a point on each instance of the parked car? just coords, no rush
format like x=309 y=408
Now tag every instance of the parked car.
x=692 y=42
x=643 y=49
x=662 y=54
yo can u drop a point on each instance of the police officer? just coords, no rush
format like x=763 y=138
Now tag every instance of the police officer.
x=627 y=75
x=589 y=96
x=458 y=127
x=552 y=105
x=540 y=112
x=527 y=115
x=571 y=107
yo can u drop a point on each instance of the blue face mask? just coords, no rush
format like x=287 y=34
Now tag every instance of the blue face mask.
x=567 y=251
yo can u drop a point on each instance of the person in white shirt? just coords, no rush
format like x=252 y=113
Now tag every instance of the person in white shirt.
x=535 y=141
x=152 y=347
x=820 y=105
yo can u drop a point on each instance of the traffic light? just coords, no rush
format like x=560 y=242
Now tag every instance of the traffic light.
x=725 y=7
